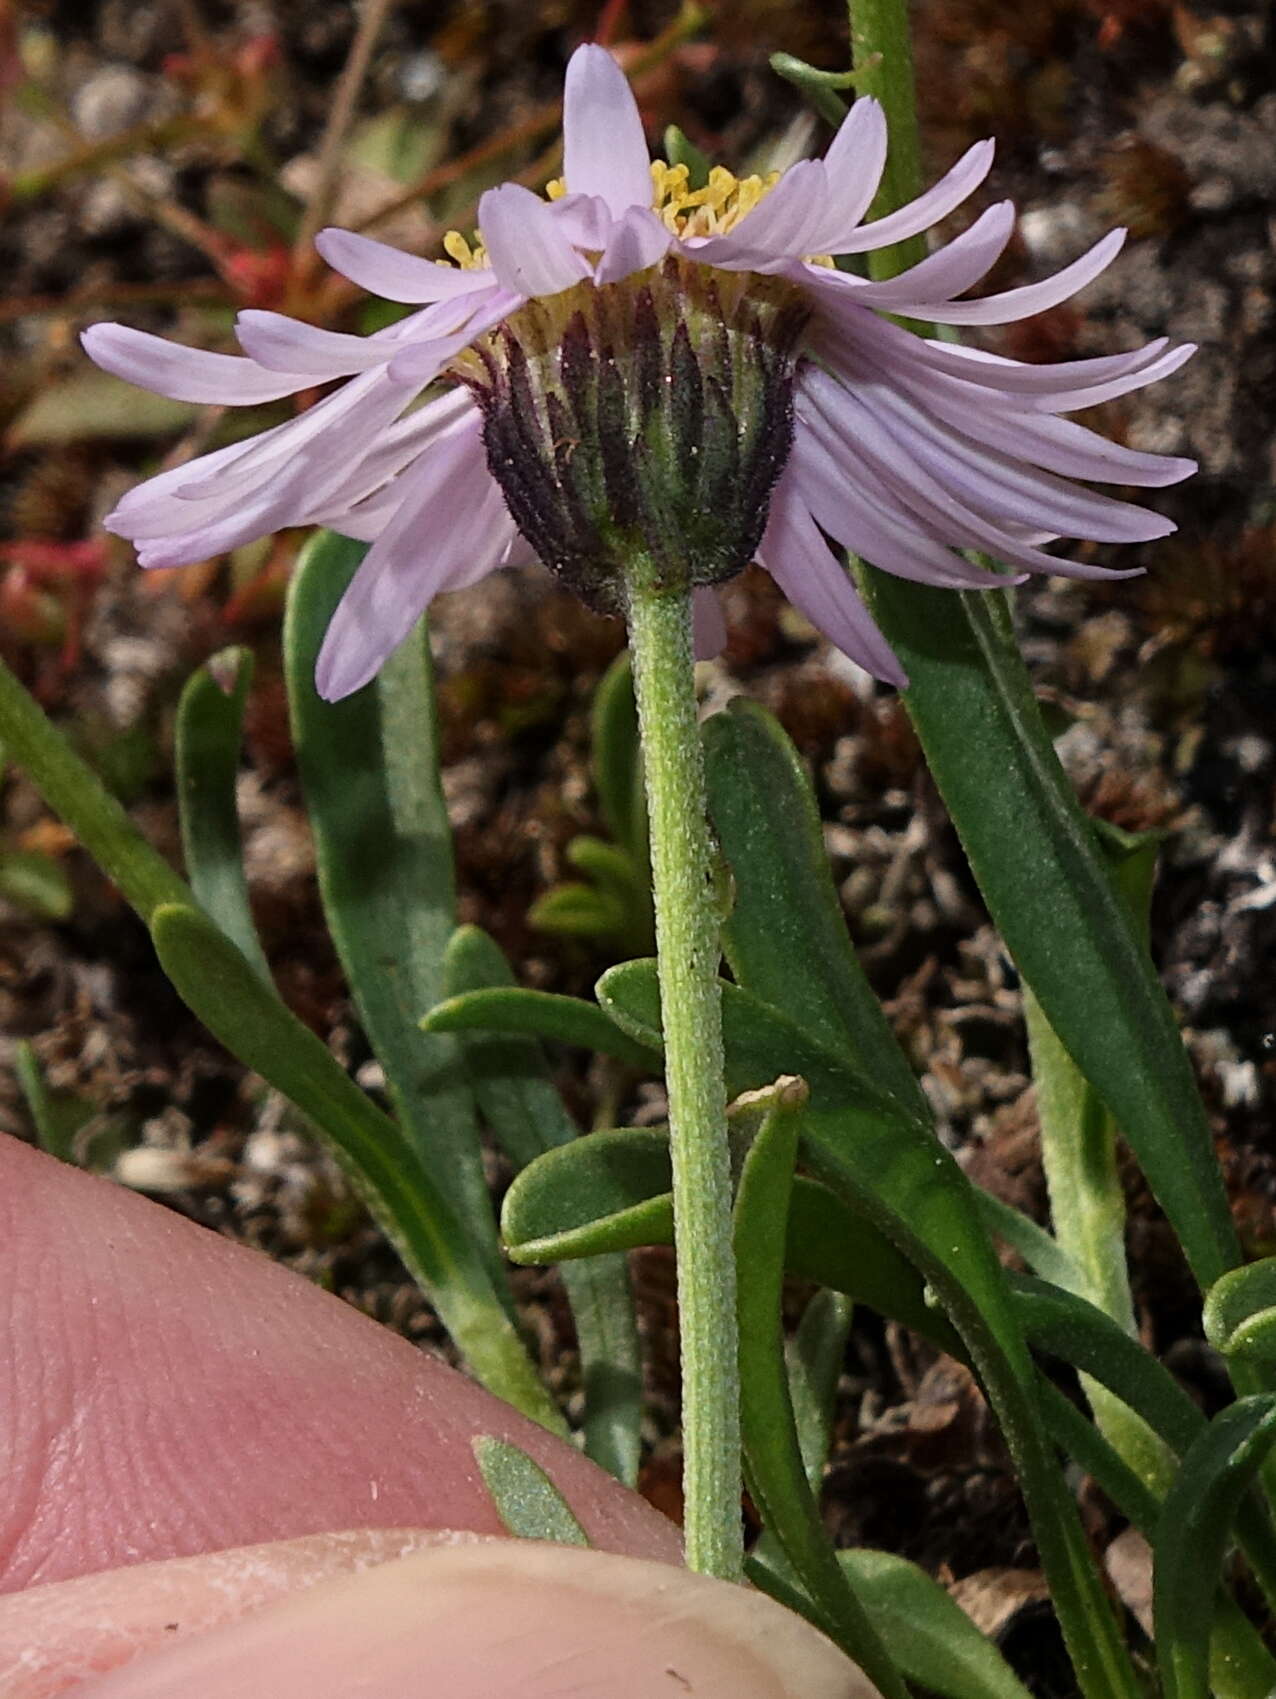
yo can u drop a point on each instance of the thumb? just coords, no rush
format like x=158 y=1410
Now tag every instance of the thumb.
x=503 y=1618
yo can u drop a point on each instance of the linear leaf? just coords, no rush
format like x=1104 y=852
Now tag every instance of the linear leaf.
x=936 y=1643
x=786 y=937
x=369 y=766
x=520 y=1104
x=1056 y=905
x=210 y=720
x=539 y=1014
x=607 y=1192
x=1193 y=1535
x=219 y=985
x=902 y=1179
x=1240 y=1312
x=776 y=1469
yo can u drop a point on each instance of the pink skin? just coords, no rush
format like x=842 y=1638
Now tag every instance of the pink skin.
x=165 y=1393
x=221 y=1481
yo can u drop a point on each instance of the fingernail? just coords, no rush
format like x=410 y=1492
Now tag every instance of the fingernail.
x=505 y=1618
x=56 y=1635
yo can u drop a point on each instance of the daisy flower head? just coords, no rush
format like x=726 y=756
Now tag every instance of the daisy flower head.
x=634 y=363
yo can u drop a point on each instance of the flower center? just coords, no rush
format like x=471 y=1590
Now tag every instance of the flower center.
x=709 y=211
x=649 y=417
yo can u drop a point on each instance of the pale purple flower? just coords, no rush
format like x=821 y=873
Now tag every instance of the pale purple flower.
x=904 y=451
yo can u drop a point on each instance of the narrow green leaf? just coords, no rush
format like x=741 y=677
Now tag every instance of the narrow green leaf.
x=814 y=1358
x=1240 y=1312
x=936 y=1643
x=837 y=1247
x=609 y=866
x=578 y=911
x=1078 y=1438
x=610 y=1191
x=819 y=87
x=1193 y=1535
x=786 y=936
x=1042 y=1253
x=607 y=1192
x=680 y=151
x=369 y=766
x=509 y=1075
x=617 y=760
x=219 y=985
x=1240 y=1665
x=1069 y=1327
x=622 y=883
x=526 y=1500
x=210 y=718
x=76 y=793
x=1065 y=1325
x=36 y=883
x=761 y=1044
x=1079 y=1151
x=1057 y=907
x=57 y=1121
x=520 y=1104
x=540 y=1014
x=777 y=1473
x=901 y=1178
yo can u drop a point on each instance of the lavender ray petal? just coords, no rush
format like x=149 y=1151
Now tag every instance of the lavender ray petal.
x=443 y=527
x=819 y=586
x=585 y=220
x=285 y=483
x=637 y=240
x=853 y=169
x=951 y=190
x=421 y=362
x=285 y=345
x=392 y=274
x=396 y=449
x=775 y=231
x=955 y=267
x=1071 y=400
x=1022 y=426
x=186 y=374
x=530 y=254
x=153 y=507
x=1039 y=439
x=365 y=405
x=845 y=495
x=604 y=147
x=364 y=508
x=1023 y=303
x=843 y=312
x=905 y=463
x=1017 y=377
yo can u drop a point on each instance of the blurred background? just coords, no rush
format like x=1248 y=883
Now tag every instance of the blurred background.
x=166 y=163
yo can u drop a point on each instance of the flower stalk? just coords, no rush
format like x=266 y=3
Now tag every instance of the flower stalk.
x=660 y=638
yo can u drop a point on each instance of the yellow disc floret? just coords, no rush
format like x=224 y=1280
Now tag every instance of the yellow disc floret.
x=712 y=210
x=468 y=254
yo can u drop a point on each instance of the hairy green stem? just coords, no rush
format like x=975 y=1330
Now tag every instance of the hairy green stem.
x=882 y=51
x=687 y=949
